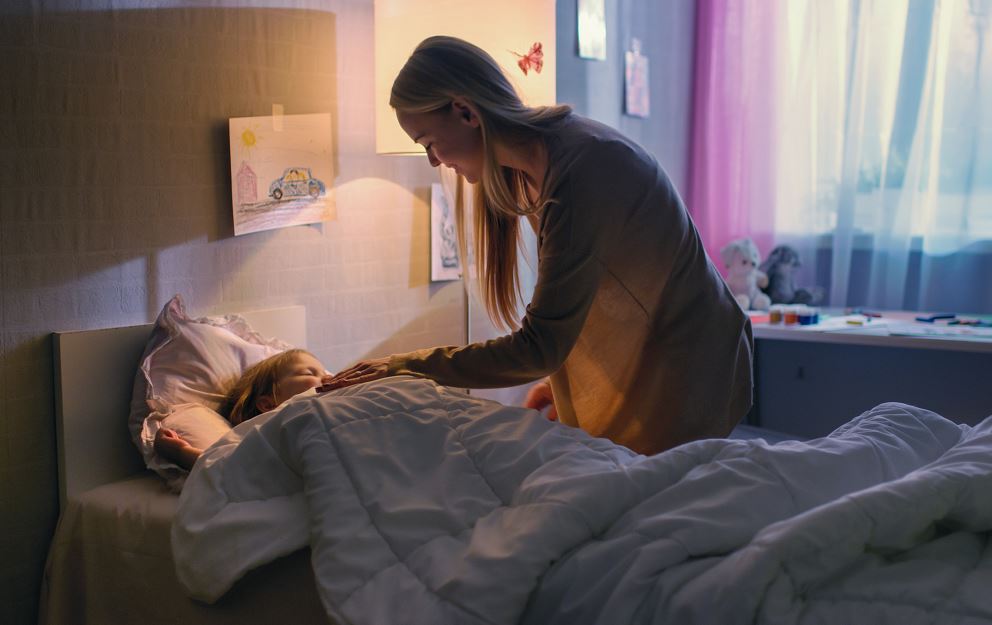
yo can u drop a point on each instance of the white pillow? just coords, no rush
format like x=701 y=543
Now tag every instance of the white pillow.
x=199 y=425
x=190 y=361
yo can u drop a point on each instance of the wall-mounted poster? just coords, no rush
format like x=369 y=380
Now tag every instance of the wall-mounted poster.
x=445 y=264
x=281 y=171
x=592 y=29
x=638 y=102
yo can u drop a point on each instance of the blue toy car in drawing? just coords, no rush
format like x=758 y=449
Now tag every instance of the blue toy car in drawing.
x=296 y=182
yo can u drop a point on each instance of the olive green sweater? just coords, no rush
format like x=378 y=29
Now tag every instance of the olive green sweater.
x=643 y=341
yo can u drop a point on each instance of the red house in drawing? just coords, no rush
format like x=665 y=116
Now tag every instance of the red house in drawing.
x=247 y=185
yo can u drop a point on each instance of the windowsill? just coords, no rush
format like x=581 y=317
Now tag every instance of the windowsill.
x=863 y=241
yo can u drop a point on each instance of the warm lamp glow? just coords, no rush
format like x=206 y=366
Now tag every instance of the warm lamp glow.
x=503 y=28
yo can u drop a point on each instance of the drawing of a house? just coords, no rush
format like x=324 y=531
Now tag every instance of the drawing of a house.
x=247 y=184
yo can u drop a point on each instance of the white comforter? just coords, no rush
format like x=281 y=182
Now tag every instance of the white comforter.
x=422 y=505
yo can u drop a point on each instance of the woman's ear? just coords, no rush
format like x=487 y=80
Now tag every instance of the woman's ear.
x=466 y=112
x=265 y=403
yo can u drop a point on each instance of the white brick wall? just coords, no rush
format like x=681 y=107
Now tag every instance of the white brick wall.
x=114 y=194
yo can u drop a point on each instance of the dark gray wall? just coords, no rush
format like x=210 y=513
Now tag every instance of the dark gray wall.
x=596 y=88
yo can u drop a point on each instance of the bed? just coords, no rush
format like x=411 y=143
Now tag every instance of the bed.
x=110 y=561
x=400 y=501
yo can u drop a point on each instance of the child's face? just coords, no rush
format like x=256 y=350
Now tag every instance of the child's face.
x=302 y=373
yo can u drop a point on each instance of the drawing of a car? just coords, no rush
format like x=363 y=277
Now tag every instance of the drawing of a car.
x=296 y=181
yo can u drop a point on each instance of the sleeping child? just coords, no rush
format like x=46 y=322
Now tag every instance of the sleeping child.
x=261 y=388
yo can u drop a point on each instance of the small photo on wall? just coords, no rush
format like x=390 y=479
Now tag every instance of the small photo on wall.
x=445 y=264
x=592 y=29
x=281 y=171
x=637 y=100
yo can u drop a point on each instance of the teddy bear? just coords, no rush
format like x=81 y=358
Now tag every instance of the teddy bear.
x=780 y=266
x=745 y=280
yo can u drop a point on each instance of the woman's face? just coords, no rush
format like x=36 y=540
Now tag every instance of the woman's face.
x=451 y=136
x=302 y=373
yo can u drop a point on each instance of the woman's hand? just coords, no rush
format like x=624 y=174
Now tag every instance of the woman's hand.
x=365 y=371
x=539 y=396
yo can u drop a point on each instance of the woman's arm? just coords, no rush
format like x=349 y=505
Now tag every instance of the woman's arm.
x=575 y=232
x=576 y=228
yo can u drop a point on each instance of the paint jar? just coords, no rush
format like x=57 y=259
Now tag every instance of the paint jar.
x=776 y=313
x=808 y=316
x=791 y=315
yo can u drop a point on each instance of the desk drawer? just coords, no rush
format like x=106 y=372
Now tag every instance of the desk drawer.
x=809 y=389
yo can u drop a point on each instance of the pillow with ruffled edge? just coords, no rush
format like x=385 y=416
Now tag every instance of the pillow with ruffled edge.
x=190 y=361
x=199 y=425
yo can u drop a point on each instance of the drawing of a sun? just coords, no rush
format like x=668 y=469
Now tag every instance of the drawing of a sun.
x=249 y=140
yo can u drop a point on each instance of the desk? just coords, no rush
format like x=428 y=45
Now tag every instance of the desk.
x=889 y=330
x=809 y=382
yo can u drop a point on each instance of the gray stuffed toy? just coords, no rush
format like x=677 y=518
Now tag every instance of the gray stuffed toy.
x=780 y=265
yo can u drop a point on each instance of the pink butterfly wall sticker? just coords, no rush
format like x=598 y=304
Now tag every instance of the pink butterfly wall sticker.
x=532 y=60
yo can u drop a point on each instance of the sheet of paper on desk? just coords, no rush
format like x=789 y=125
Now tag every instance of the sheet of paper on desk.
x=925 y=329
x=847 y=323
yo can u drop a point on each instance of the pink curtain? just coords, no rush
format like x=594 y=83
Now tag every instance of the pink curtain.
x=732 y=166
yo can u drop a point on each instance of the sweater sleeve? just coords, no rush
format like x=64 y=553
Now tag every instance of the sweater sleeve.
x=575 y=230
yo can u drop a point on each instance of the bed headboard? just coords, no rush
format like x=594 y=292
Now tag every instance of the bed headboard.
x=94 y=375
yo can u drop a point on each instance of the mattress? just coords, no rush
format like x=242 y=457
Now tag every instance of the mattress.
x=110 y=563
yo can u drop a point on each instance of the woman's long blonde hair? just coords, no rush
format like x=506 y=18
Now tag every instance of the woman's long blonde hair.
x=256 y=382
x=444 y=68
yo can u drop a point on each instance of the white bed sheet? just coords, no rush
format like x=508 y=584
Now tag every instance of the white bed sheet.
x=111 y=563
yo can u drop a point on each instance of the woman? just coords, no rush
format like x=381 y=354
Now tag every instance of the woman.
x=642 y=340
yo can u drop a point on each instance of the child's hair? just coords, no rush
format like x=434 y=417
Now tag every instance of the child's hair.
x=258 y=381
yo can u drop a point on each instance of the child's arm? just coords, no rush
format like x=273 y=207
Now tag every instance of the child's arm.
x=174 y=448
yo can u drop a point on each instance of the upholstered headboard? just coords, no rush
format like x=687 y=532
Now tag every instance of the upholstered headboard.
x=94 y=375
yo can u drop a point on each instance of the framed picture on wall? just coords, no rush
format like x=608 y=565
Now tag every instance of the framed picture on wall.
x=637 y=100
x=281 y=171
x=592 y=29
x=445 y=264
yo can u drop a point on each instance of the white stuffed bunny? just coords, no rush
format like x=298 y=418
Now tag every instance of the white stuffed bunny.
x=743 y=276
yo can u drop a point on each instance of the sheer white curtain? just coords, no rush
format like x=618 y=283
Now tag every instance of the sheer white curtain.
x=885 y=169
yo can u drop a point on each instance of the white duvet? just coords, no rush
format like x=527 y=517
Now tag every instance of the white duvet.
x=423 y=505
